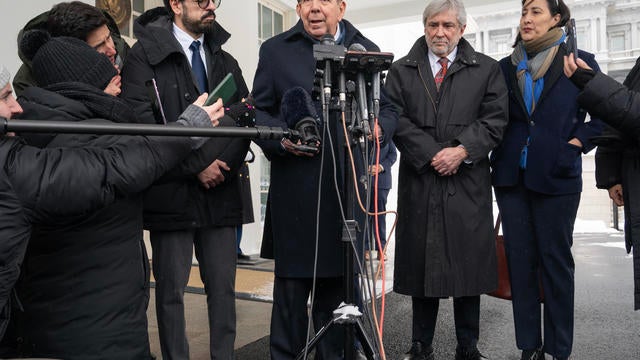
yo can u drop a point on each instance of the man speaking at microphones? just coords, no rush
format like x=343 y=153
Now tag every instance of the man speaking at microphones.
x=296 y=178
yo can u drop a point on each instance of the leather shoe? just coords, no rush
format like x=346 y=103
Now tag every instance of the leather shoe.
x=468 y=354
x=242 y=256
x=359 y=355
x=419 y=352
x=536 y=354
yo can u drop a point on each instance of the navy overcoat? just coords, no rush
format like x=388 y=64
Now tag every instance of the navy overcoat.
x=287 y=61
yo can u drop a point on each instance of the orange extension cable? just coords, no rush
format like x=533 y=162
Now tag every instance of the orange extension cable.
x=380 y=269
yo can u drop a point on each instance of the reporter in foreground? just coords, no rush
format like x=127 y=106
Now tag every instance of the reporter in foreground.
x=617 y=104
x=49 y=186
x=88 y=274
x=618 y=153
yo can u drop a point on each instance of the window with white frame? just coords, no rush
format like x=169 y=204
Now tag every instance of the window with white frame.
x=582 y=35
x=500 y=41
x=271 y=22
x=618 y=37
x=471 y=38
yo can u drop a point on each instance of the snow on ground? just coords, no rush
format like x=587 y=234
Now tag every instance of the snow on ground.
x=593 y=226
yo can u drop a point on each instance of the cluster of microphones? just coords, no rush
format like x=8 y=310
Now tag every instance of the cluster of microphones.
x=354 y=70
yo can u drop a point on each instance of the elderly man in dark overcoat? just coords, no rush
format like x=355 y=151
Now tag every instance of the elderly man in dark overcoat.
x=453 y=109
x=287 y=61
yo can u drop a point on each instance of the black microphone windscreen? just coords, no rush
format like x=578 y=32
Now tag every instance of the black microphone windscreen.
x=357 y=47
x=296 y=105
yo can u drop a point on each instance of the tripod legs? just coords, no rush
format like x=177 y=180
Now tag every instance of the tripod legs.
x=344 y=316
x=367 y=346
x=314 y=340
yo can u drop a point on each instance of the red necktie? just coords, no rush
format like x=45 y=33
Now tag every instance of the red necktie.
x=443 y=71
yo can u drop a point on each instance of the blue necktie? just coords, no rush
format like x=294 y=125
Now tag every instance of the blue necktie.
x=198 y=66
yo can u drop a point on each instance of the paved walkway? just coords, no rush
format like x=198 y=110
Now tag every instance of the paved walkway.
x=606 y=325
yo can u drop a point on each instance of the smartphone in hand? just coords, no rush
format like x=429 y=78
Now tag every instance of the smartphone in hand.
x=572 y=41
x=225 y=90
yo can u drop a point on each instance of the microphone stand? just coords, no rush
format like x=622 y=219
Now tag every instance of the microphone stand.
x=348 y=316
x=70 y=127
x=326 y=54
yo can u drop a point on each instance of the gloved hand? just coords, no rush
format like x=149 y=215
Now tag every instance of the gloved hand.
x=581 y=77
x=243 y=112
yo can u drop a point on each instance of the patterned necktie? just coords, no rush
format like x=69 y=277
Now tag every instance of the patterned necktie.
x=197 y=66
x=443 y=71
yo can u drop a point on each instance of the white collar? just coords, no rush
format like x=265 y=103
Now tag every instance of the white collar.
x=433 y=58
x=185 y=41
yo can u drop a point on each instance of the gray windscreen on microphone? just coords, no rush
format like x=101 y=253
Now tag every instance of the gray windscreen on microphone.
x=361 y=90
x=327 y=39
x=357 y=47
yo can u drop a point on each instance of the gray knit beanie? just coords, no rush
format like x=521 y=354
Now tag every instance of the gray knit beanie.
x=5 y=76
x=66 y=59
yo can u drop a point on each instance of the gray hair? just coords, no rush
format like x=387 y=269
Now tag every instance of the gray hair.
x=437 y=6
x=5 y=76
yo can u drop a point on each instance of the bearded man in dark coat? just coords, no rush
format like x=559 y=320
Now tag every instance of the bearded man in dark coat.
x=453 y=110
x=180 y=46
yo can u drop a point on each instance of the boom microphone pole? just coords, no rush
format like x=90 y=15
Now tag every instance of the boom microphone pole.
x=71 y=127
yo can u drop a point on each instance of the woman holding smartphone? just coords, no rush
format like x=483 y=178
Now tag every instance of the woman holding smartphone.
x=537 y=178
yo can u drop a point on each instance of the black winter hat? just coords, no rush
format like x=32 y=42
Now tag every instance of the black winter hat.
x=64 y=59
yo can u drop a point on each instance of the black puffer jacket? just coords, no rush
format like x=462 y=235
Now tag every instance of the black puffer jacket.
x=56 y=186
x=85 y=284
x=184 y=203
x=618 y=162
x=618 y=105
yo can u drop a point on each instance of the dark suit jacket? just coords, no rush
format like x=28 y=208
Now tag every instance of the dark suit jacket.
x=181 y=202
x=554 y=166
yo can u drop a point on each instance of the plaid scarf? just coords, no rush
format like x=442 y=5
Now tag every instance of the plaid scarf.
x=530 y=72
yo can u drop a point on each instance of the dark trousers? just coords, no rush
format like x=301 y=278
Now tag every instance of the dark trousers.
x=238 y=239
x=289 y=317
x=215 y=250
x=538 y=235
x=466 y=314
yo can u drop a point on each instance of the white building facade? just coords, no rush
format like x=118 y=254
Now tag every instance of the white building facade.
x=608 y=28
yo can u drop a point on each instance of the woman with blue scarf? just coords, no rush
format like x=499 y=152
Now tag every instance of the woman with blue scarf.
x=537 y=176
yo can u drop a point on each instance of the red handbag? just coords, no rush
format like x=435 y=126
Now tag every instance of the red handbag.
x=504 y=282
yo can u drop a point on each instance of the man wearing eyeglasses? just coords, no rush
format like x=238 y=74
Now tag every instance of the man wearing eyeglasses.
x=291 y=219
x=179 y=47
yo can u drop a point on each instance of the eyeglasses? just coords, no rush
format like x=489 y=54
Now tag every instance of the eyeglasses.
x=309 y=2
x=203 y=4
